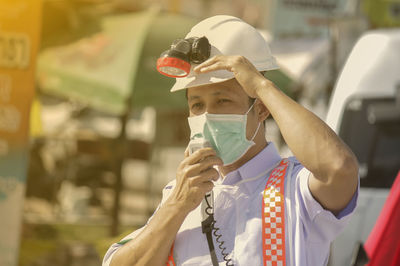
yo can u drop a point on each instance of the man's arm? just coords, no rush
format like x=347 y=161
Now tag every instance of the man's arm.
x=193 y=180
x=333 y=166
x=152 y=245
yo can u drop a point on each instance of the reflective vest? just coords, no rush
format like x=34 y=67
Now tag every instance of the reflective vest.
x=273 y=219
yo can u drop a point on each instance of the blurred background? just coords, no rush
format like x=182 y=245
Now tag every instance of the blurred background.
x=106 y=135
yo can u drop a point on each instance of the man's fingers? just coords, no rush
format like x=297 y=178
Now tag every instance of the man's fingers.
x=221 y=62
x=206 y=176
x=215 y=67
x=206 y=63
x=199 y=168
x=186 y=154
x=217 y=62
x=200 y=155
x=208 y=186
x=209 y=162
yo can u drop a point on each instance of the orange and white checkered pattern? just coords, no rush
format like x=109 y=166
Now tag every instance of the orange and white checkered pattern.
x=273 y=226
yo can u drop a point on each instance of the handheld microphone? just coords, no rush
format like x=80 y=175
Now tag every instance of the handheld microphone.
x=207 y=204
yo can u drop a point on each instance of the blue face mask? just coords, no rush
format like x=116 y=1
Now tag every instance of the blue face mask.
x=225 y=132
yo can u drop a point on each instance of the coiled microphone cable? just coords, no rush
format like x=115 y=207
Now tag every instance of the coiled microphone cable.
x=208 y=226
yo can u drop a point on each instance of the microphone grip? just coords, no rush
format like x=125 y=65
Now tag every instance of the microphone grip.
x=207 y=204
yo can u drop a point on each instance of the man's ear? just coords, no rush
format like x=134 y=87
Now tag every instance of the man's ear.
x=261 y=110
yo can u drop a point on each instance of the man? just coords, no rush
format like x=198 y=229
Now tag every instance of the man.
x=318 y=187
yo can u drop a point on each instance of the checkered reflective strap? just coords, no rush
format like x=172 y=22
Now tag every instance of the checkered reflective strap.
x=170 y=261
x=273 y=217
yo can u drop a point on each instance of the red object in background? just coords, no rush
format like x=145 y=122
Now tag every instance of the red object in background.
x=383 y=243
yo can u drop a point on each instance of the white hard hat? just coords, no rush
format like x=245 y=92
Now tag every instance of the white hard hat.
x=228 y=36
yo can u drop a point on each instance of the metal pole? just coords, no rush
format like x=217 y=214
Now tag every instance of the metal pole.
x=117 y=167
x=121 y=143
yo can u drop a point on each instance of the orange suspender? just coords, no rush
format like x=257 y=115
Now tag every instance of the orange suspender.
x=273 y=219
x=170 y=261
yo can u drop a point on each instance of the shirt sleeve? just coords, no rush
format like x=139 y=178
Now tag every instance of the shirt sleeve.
x=115 y=246
x=320 y=224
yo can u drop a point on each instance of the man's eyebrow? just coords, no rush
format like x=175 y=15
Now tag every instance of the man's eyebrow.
x=215 y=93
x=193 y=97
x=231 y=94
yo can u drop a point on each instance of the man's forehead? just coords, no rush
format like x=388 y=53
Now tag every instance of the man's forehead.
x=216 y=89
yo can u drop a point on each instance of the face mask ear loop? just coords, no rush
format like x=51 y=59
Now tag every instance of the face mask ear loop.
x=255 y=133
x=250 y=107
x=259 y=123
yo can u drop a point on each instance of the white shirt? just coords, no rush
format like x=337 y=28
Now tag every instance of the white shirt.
x=309 y=228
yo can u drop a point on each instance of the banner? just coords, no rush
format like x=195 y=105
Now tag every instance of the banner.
x=298 y=18
x=19 y=38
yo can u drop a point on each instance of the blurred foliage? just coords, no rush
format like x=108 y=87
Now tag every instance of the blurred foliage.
x=32 y=249
x=382 y=13
x=282 y=81
x=152 y=88
x=63 y=23
x=124 y=57
x=44 y=244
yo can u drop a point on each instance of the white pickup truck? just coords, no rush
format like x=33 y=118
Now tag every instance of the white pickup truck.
x=365 y=112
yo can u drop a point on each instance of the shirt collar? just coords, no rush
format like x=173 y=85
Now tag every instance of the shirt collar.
x=265 y=159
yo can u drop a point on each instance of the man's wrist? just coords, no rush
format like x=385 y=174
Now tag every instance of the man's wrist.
x=263 y=86
x=176 y=207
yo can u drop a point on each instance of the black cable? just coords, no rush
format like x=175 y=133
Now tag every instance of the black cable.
x=221 y=243
x=208 y=226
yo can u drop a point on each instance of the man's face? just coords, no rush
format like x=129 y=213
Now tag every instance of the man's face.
x=226 y=97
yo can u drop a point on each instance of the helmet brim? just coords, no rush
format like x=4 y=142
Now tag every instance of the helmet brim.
x=194 y=80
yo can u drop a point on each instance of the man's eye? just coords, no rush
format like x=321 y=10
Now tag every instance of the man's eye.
x=197 y=105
